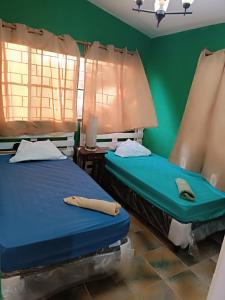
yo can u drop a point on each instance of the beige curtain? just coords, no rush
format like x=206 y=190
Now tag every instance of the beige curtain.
x=116 y=90
x=38 y=82
x=214 y=162
x=199 y=144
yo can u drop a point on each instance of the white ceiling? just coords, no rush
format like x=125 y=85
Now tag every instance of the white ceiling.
x=205 y=12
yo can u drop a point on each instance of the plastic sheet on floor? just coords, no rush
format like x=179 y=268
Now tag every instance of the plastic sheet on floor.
x=47 y=283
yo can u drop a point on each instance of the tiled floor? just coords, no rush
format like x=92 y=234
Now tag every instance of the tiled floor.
x=157 y=272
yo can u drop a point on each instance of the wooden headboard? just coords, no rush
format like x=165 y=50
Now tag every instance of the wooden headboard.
x=65 y=141
x=110 y=139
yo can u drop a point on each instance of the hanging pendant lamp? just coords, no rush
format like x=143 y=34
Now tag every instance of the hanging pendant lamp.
x=160 y=9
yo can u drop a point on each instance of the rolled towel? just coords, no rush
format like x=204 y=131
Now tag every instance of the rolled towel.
x=110 y=208
x=184 y=189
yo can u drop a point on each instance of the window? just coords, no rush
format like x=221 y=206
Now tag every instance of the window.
x=39 y=85
x=80 y=92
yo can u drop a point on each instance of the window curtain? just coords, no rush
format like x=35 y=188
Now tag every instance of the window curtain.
x=116 y=90
x=38 y=82
x=200 y=142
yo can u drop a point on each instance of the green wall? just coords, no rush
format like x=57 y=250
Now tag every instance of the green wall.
x=79 y=18
x=170 y=69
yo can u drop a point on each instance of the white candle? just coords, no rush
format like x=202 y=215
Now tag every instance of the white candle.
x=91 y=132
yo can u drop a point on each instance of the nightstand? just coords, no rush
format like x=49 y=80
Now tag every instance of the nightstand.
x=91 y=161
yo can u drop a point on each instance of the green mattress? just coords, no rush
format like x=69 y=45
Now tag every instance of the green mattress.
x=153 y=178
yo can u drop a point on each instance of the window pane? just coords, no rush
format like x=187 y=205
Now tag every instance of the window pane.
x=37 y=84
x=80 y=99
x=80 y=94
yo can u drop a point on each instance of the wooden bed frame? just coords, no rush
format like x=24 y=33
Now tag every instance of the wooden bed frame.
x=110 y=139
x=63 y=141
x=66 y=140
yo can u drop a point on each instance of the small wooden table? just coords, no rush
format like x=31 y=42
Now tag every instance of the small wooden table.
x=83 y=156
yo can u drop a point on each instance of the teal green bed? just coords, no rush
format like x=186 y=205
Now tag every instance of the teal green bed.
x=153 y=178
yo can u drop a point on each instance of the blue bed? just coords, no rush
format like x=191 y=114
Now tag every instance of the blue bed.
x=37 y=228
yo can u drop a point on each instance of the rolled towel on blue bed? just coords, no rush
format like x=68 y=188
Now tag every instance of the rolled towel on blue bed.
x=110 y=208
x=185 y=191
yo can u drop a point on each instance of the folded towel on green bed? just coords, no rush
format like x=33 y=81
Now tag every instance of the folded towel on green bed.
x=184 y=189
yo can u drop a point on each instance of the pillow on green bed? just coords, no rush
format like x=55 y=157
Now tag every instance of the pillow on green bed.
x=131 y=148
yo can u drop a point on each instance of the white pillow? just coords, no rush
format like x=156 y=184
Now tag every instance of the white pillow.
x=23 y=144
x=131 y=148
x=41 y=150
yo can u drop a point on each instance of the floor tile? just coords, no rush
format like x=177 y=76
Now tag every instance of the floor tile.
x=205 y=270
x=143 y=241
x=188 y=286
x=207 y=249
x=77 y=293
x=108 y=289
x=157 y=291
x=138 y=270
x=165 y=262
x=186 y=258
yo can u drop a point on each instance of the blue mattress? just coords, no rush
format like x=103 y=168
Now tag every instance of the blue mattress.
x=37 y=228
x=153 y=178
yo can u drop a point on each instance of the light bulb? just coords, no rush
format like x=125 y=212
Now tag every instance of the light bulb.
x=161 y=5
x=139 y=3
x=187 y=3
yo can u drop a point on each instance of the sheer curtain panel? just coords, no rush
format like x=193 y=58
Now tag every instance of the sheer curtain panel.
x=38 y=82
x=116 y=90
x=200 y=142
x=190 y=147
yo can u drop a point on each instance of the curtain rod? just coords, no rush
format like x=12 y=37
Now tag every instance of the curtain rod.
x=83 y=43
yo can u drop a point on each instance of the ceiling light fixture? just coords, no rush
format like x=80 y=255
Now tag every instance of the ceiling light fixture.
x=161 y=6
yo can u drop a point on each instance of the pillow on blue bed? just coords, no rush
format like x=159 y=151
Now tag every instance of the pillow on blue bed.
x=131 y=148
x=41 y=150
